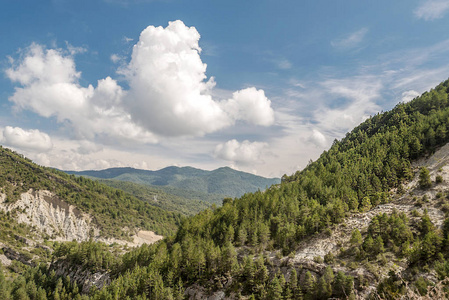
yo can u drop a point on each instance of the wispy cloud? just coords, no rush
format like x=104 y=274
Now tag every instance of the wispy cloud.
x=284 y=64
x=327 y=104
x=432 y=9
x=115 y=58
x=350 y=41
x=409 y=95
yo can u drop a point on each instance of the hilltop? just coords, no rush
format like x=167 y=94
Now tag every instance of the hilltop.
x=183 y=190
x=224 y=181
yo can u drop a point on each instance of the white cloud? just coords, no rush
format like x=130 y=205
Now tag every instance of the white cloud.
x=127 y=39
x=75 y=50
x=409 y=95
x=251 y=105
x=115 y=58
x=351 y=41
x=244 y=153
x=318 y=138
x=42 y=159
x=432 y=9
x=360 y=93
x=143 y=165
x=31 y=140
x=47 y=66
x=88 y=147
x=166 y=75
x=50 y=88
x=169 y=94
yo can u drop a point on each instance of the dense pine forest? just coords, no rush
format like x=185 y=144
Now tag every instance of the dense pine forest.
x=243 y=247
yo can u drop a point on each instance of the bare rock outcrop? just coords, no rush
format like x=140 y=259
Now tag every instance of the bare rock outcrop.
x=83 y=277
x=49 y=215
x=60 y=221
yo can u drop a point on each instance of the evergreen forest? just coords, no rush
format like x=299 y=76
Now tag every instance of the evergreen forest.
x=246 y=247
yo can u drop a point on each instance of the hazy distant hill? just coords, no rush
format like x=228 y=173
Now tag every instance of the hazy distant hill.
x=168 y=198
x=223 y=181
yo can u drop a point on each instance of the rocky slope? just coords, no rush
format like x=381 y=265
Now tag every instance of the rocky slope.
x=57 y=220
x=311 y=252
x=50 y=215
x=309 y=255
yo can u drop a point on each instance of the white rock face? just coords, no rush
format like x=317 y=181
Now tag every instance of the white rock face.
x=63 y=222
x=50 y=215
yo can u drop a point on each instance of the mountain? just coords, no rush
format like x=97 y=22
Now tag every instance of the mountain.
x=223 y=181
x=187 y=203
x=367 y=219
x=62 y=207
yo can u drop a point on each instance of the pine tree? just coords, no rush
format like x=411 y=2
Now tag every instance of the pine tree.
x=275 y=289
x=293 y=285
x=4 y=286
x=368 y=244
x=309 y=285
x=365 y=205
x=424 y=178
x=356 y=238
x=378 y=246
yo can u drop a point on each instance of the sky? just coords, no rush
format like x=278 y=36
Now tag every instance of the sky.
x=260 y=86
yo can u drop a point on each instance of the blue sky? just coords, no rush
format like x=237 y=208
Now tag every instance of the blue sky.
x=261 y=86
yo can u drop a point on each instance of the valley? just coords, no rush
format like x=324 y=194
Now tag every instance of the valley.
x=367 y=219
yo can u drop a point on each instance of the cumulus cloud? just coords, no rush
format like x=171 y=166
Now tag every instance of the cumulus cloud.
x=432 y=9
x=244 y=152
x=50 y=88
x=351 y=41
x=409 y=95
x=251 y=105
x=30 y=140
x=166 y=75
x=169 y=93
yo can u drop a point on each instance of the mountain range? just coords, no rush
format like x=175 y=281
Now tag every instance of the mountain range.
x=369 y=219
x=225 y=181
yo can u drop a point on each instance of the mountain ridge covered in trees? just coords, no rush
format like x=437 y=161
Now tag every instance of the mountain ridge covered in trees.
x=248 y=248
x=222 y=182
x=112 y=209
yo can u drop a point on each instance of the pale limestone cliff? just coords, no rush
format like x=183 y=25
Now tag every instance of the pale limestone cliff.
x=60 y=221
x=49 y=215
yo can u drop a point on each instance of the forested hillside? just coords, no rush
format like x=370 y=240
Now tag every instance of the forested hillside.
x=249 y=248
x=222 y=182
x=113 y=209
x=167 y=198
